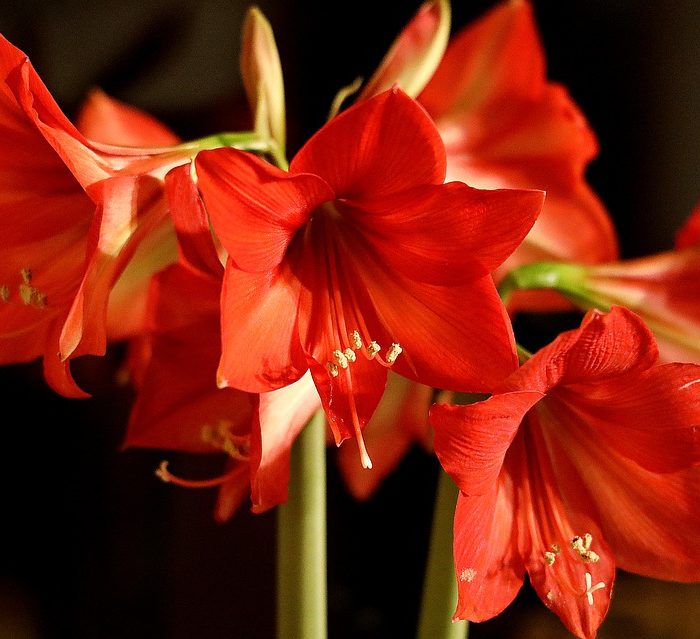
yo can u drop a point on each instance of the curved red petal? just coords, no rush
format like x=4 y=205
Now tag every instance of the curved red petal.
x=108 y=120
x=488 y=568
x=281 y=416
x=254 y=207
x=606 y=345
x=196 y=245
x=446 y=234
x=471 y=441
x=384 y=145
x=260 y=338
x=499 y=55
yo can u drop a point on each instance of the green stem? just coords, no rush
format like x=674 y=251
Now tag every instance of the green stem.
x=301 y=535
x=440 y=586
x=243 y=140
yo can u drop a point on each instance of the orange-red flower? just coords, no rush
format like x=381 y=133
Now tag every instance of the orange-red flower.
x=74 y=211
x=582 y=460
x=173 y=364
x=360 y=259
x=505 y=126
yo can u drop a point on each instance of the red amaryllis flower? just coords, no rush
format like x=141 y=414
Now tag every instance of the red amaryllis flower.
x=360 y=259
x=74 y=211
x=178 y=404
x=505 y=126
x=664 y=289
x=581 y=461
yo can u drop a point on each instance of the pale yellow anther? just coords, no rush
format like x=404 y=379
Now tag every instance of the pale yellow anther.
x=356 y=339
x=350 y=354
x=4 y=293
x=340 y=358
x=582 y=545
x=590 y=588
x=332 y=369
x=26 y=275
x=394 y=351
x=372 y=349
x=551 y=555
x=32 y=296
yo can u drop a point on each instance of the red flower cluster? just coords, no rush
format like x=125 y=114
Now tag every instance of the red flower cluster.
x=253 y=293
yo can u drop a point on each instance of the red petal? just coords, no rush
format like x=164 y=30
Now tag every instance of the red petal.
x=260 y=342
x=605 y=346
x=415 y=54
x=488 y=568
x=191 y=222
x=178 y=397
x=499 y=55
x=382 y=146
x=652 y=417
x=255 y=208
x=650 y=520
x=689 y=234
x=232 y=493
x=281 y=416
x=445 y=234
x=471 y=441
x=105 y=119
x=131 y=209
x=457 y=338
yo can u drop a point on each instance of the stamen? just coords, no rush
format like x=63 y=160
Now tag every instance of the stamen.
x=372 y=349
x=350 y=354
x=590 y=589
x=356 y=339
x=165 y=475
x=340 y=358
x=551 y=555
x=364 y=457
x=394 y=351
x=332 y=369
x=28 y=294
x=582 y=545
x=235 y=446
x=26 y=275
x=4 y=293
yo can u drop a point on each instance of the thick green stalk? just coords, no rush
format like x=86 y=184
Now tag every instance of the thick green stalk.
x=440 y=585
x=301 y=538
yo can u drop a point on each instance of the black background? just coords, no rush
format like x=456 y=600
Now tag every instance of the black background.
x=91 y=544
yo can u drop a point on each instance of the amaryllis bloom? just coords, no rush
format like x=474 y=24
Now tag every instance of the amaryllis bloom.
x=505 y=126
x=361 y=259
x=664 y=289
x=173 y=364
x=583 y=460
x=74 y=211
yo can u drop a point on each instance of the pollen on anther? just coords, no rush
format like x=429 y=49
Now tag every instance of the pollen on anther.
x=372 y=349
x=340 y=358
x=549 y=558
x=356 y=339
x=26 y=275
x=467 y=575
x=394 y=351
x=332 y=369
x=350 y=354
x=4 y=293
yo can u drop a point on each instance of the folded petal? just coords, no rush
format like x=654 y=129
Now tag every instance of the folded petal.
x=131 y=208
x=255 y=208
x=489 y=570
x=260 y=338
x=471 y=441
x=384 y=145
x=281 y=415
x=415 y=54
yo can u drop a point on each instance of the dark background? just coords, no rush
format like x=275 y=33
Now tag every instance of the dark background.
x=91 y=544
